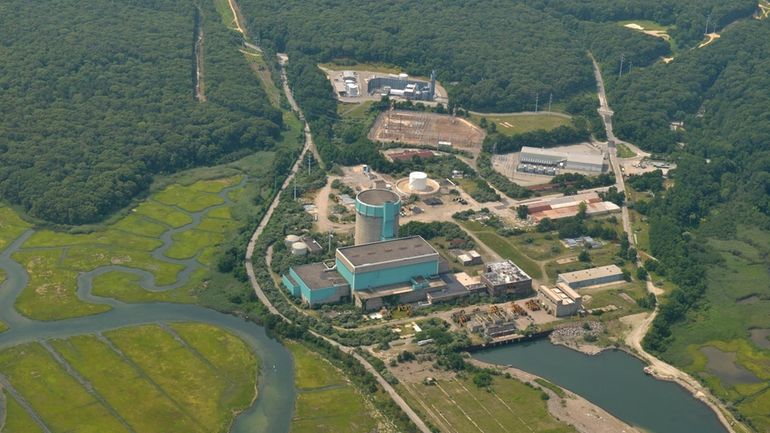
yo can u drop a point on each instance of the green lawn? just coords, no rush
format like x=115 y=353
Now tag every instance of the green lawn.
x=326 y=402
x=517 y=124
x=508 y=406
x=504 y=248
x=624 y=151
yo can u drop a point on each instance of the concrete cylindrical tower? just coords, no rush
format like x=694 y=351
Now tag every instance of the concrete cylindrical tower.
x=418 y=181
x=377 y=212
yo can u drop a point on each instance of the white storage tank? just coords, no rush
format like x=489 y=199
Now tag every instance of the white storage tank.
x=418 y=181
x=291 y=240
x=299 y=249
x=403 y=76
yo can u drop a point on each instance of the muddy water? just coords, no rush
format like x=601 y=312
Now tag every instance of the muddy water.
x=271 y=411
x=761 y=337
x=724 y=365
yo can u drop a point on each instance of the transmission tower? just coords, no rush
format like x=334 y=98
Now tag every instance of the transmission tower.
x=622 y=59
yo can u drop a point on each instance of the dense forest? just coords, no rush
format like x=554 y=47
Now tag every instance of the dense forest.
x=96 y=100
x=723 y=176
x=497 y=57
x=688 y=18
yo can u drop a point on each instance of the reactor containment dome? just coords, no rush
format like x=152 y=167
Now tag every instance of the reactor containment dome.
x=377 y=212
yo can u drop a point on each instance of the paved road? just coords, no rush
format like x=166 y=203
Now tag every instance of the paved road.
x=309 y=146
x=634 y=339
x=606 y=113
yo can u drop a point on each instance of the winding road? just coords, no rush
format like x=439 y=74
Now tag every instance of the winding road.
x=658 y=368
x=310 y=146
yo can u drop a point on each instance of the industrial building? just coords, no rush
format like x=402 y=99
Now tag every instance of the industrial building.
x=504 y=278
x=377 y=212
x=545 y=161
x=591 y=277
x=400 y=270
x=569 y=206
x=560 y=301
x=316 y=284
x=470 y=258
x=402 y=86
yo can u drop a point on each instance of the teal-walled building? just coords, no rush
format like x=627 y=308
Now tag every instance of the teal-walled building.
x=403 y=269
x=316 y=284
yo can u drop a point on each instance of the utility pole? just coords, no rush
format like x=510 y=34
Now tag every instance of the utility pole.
x=330 y=239
x=550 y=101
x=708 y=21
x=622 y=59
x=537 y=100
x=295 y=190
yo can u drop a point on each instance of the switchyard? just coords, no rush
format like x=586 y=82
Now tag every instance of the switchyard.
x=427 y=129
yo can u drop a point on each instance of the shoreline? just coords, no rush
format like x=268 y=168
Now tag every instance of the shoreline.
x=573 y=409
x=696 y=392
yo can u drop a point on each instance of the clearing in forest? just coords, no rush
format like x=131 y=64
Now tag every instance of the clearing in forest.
x=427 y=129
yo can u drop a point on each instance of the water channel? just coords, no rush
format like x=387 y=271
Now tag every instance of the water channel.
x=271 y=412
x=615 y=381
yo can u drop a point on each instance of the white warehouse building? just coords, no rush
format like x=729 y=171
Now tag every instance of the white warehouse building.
x=578 y=161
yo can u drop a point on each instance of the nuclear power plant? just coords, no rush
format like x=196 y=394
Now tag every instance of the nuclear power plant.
x=380 y=267
x=377 y=212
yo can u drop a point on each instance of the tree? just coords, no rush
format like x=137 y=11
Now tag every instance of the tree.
x=545 y=225
x=482 y=379
x=522 y=211
x=641 y=274
x=584 y=256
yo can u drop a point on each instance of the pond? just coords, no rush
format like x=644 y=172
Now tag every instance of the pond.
x=615 y=381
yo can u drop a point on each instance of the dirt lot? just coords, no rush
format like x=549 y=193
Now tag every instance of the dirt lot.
x=413 y=127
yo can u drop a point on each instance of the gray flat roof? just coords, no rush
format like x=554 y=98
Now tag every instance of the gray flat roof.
x=317 y=276
x=378 y=197
x=386 y=251
x=588 y=274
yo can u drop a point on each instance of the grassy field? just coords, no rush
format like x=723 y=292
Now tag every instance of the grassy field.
x=371 y=67
x=624 y=151
x=646 y=24
x=326 y=402
x=11 y=226
x=53 y=259
x=517 y=124
x=355 y=111
x=193 y=386
x=17 y=420
x=56 y=396
x=457 y=406
x=738 y=299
